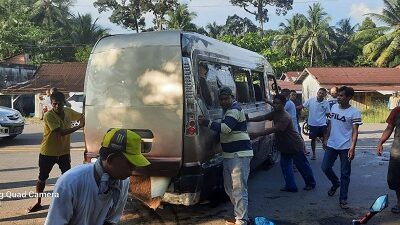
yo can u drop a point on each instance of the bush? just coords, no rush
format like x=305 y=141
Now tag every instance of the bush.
x=377 y=113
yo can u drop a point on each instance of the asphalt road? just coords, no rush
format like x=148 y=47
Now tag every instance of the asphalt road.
x=18 y=173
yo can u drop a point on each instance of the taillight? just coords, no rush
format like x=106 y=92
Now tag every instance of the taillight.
x=191 y=126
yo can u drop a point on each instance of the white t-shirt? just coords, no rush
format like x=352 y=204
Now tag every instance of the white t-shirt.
x=341 y=122
x=290 y=107
x=317 y=111
x=79 y=203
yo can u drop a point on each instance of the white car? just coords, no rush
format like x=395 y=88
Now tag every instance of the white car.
x=75 y=101
x=11 y=123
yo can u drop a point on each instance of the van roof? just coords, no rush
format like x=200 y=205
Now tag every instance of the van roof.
x=173 y=38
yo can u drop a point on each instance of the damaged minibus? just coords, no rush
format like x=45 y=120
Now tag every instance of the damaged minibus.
x=150 y=83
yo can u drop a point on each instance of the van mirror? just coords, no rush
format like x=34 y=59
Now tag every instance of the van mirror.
x=380 y=203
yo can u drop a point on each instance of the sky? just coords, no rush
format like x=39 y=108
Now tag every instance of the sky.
x=209 y=11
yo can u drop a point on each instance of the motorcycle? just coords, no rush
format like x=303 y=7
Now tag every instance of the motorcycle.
x=380 y=204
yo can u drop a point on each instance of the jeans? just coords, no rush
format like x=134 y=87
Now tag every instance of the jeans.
x=302 y=165
x=236 y=173
x=345 y=170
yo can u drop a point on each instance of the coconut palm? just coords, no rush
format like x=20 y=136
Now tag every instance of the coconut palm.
x=316 y=40
x=52 y=13
x=290 y=34
x=85 y=31
x=344 y=30
x=385 y=49
x=181 y=18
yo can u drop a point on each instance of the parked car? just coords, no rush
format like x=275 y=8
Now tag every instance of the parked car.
x=11 y=123
x=75 y=101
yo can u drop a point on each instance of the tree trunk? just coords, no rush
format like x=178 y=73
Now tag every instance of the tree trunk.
x=312 y=54
x=261 y=16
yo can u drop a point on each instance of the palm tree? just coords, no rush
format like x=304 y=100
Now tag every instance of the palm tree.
x=385 y=49
x=316 y=39
x=51 y=13
x=84 y=31
x=214 y=30
x=290 y=34
x=345 y=30
x=181 y=18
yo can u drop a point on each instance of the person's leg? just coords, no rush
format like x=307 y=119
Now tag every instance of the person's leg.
x=286 y=163
x=64 y=163
x=313 y=157
x=240 y=174
x=345 y=170
x=313 y=135
x=327 y=164
x=46 y=163
x=227 y=171
x=302 y=164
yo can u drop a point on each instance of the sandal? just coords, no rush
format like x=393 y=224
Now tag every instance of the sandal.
x=395 y=209
x=34 y=208
x=332 y=191
x=307 y=153
x=343 y=205
x=308 y=188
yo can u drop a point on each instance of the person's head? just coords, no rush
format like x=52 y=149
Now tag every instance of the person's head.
x=52 y=90
x=203 y=69
x=344 y=95
x=293 y=95
x=321 y=94
x=225 y=96
x=285 y=92
x=57 y=101
x=120 y=153
x=279 y=102
x=334 y=92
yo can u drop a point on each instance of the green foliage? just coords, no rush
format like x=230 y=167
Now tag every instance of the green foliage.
x=376 y=114
x=250 y=41
x=181 y=18
x=82 y=53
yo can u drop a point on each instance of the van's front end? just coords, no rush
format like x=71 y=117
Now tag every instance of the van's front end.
x=135 y=82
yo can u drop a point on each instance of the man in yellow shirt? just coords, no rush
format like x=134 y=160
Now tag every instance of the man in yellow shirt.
x=55 y=146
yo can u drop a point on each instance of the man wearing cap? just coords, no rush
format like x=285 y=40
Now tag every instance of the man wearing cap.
x=95 y=194
x=237 y=153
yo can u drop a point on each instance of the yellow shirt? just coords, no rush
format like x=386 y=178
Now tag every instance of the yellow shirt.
x=53 y=144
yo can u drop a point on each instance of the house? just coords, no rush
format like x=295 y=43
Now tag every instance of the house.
x=66 y=77
x=372 y=85
x=14 y=70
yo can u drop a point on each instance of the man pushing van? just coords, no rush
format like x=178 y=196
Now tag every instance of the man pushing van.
x=237 y=153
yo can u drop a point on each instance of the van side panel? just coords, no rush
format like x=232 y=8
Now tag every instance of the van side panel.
x=137 y=87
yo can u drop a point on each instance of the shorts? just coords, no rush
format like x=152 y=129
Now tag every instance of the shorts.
x=46 y=164
x=393 y=177
x=317 y=131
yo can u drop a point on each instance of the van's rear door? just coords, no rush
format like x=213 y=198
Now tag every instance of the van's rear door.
x=135 y=82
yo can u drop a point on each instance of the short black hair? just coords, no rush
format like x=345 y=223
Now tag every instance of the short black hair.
x=348 y=91
x=105 y=152
x=323 y=89
x=281 y=98
x=57 y=96
x=285 y=92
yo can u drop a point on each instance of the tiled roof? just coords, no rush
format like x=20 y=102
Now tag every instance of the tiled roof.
x=66 y=77
x=289 y=85
x=21 y=59
x=352 y=75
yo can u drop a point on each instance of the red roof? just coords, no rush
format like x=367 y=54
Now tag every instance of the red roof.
x=66 y=77
x=289 y=85
x=352 y=75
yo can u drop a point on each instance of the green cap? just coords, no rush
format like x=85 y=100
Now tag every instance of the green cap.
x=127 y=142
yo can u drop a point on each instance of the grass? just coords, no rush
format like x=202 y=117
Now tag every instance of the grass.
x=375 y=114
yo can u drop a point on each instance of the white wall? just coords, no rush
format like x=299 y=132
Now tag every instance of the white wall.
x=310 y=87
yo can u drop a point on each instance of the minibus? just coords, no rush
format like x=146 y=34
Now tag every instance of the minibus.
x=157 y=84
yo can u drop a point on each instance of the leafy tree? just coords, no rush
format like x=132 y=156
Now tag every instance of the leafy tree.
x=344 y=31
x=85 y=31
x=51 y=13
x=316 y=40
x=290 y=34
x=181 y=18
x=82 y=53
x=236 y=25
x=367 y=24
x=128 y=14
x=251 y=41
x=201 y=30
x=159 y=8
x=214 y=30
x=385 y=49
x=261 y=11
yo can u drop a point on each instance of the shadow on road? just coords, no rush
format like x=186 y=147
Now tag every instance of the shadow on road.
x=26 y=183
x=18 y=169
x=371 y=132
x=27 y=216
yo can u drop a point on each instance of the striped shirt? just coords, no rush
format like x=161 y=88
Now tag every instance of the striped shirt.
x=233 y=133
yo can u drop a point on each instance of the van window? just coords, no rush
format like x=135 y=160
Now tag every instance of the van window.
x=208 y=84
x=243 y=91
x=258 y=85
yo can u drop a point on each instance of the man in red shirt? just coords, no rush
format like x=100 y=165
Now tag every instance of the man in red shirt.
x=393 y=177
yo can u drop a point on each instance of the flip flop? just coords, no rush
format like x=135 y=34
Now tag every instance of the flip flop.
x=34 y=208
x=332 y=191
x=395 y=209
x=343 y=205
x=307 y=153
x=308 y=188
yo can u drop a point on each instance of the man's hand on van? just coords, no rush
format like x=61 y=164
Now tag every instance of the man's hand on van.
x=82 y=121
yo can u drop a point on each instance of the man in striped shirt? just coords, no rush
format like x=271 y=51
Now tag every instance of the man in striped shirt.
x=237 y=153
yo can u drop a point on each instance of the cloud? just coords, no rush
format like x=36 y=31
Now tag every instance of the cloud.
x=358 y=10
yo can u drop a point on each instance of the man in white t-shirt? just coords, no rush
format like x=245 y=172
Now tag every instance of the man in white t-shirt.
x=318 y=110
x=96 y=194
x=290 y=107
x=341 y=139
x=333 y=99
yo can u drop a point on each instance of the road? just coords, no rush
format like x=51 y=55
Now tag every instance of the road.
x=18 y=172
